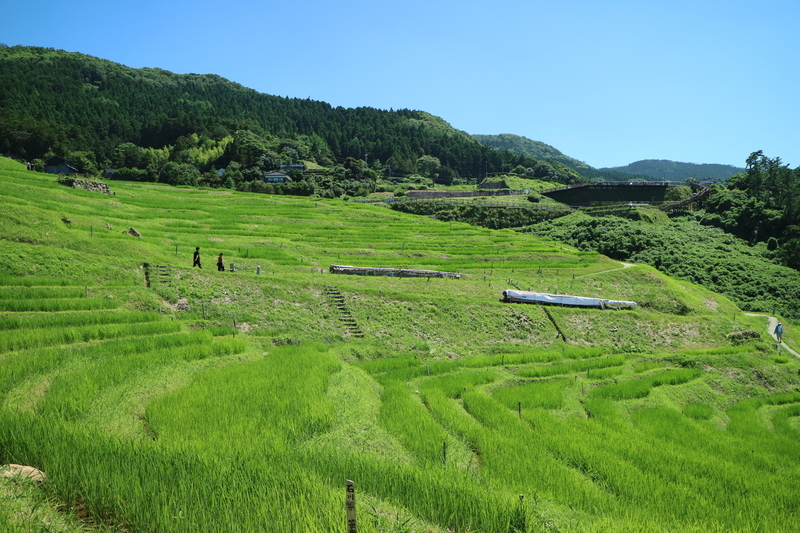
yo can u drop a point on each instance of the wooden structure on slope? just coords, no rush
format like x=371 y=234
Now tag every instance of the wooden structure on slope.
x=58 y=165
x=586 y=194
x=698 y=197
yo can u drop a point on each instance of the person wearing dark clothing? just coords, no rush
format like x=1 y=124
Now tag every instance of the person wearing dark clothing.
x=196 y=259
x=220 y=263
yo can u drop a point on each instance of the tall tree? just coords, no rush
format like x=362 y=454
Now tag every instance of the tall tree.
x=429 y=166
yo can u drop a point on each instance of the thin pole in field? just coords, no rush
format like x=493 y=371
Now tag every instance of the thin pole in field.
x=350 y=506
x=444 y=452
x=522 y=513
x=519 y=409
x=87 y=292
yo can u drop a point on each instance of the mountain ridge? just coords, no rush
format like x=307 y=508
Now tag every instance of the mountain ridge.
x=668 y=170
x=660 y=169
x=525 y=146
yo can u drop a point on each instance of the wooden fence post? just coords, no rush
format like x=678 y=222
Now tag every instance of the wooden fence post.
x=350 y=507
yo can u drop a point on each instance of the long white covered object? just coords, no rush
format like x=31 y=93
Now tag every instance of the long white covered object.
x=515 y=296
x=396 y=272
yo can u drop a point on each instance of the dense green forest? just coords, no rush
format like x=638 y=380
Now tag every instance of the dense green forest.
x=99 y=114
x=661 y=169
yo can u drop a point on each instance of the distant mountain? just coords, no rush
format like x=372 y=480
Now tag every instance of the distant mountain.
x=662 y=169
x=544 y=152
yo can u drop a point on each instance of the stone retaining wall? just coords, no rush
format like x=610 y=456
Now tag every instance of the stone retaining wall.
x=460 y=194
x=94 y=186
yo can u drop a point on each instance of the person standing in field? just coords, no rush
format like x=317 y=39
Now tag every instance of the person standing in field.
x=779 y=332
x=196 y=259
x=220 y=263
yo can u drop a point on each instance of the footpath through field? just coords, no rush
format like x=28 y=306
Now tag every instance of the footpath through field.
x=771 y=323
x=624 y=265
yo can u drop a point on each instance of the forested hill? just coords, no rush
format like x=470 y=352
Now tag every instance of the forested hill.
x=519 y=145
x=52 y=101
x=661 y=169
x=524 y=146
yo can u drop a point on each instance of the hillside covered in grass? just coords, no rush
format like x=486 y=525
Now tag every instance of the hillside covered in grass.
x=750 y=275
x=158 y=397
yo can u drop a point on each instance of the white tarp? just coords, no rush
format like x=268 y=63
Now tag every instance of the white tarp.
x=514 y=296
x=396 y=272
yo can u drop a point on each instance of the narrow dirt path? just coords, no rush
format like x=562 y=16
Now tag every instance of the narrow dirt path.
x=771 y=323
x=624 y=265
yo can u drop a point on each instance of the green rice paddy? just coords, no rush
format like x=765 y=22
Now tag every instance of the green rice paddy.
x=209 y=401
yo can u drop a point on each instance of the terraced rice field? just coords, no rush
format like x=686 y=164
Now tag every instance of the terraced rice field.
x=238 y=401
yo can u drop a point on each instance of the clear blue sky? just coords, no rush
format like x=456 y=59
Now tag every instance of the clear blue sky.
x=605 y=82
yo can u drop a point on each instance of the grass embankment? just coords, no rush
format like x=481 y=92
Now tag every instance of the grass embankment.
x=228 y=401
x=682 y=247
